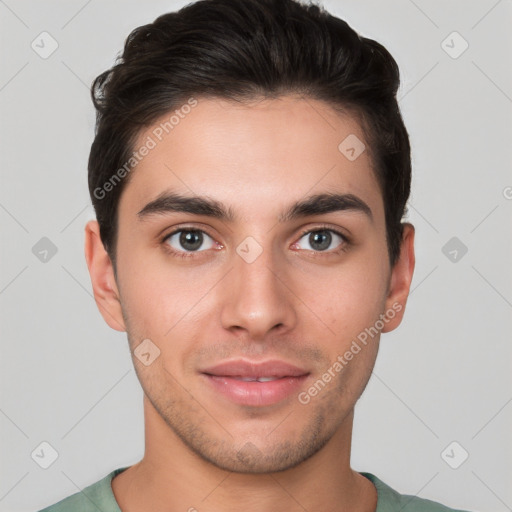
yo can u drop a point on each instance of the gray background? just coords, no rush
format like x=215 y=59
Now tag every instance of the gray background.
x=443 y=376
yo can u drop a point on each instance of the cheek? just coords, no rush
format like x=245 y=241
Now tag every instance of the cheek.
x=349 y=299
x=155 y=292
x=157 y=309
x=171 y=307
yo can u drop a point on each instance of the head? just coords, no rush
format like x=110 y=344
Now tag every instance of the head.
x=247 y=105
x=242 y=51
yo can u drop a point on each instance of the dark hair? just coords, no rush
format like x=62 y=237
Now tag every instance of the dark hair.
x=244 y=50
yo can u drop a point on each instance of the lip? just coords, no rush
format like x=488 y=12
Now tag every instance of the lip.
x=225 y=378
x=244 y=368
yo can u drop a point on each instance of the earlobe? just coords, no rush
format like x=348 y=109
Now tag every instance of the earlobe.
x=400 y=281
x=101 y=271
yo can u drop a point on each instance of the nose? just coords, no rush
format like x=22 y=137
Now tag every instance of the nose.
x=257 y=298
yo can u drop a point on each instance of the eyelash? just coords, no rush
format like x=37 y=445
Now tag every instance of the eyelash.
x=181 y=254
x=342 y=248
x=184 y=254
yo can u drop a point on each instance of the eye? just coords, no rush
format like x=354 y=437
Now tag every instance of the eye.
x=189 y=240
x=321 y=240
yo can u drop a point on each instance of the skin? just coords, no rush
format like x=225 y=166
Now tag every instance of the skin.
x=294 y=303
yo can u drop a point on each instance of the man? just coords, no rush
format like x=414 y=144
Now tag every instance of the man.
x=249 y=174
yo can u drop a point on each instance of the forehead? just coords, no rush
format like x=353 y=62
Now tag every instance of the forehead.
x=252 y=156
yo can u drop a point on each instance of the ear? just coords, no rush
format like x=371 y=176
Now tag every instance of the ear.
x=400 y=280
x=103 y=281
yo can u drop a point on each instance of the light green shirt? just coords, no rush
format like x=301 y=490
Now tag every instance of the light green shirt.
x=99 y=497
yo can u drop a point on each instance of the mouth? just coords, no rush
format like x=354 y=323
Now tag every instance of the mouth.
x=254 y=379
x=255 y=384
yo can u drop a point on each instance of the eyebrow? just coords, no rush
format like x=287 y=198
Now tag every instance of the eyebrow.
x=168 y=202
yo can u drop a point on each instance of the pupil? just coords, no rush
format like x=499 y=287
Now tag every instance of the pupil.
x=322 y=238
x=191 y=240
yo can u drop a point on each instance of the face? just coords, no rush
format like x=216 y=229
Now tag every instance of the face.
x=245 y=297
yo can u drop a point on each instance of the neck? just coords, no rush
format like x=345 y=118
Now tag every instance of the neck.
x=172 y=477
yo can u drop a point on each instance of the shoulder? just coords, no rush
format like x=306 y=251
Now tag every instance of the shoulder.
x=390 y=500
x=97 y=496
